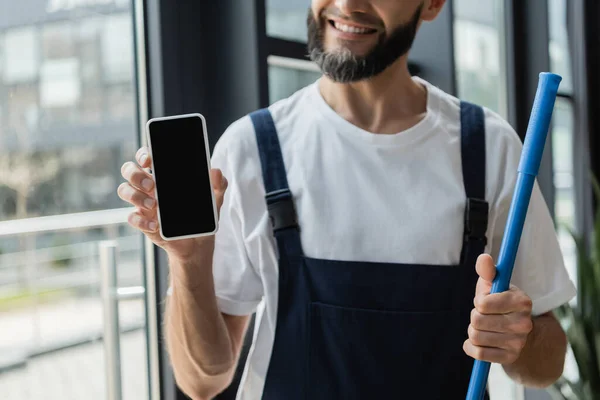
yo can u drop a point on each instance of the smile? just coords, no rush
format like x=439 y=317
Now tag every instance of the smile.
x=351 y=28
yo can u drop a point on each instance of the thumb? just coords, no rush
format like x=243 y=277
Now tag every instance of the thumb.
x=219 y=183
x=487 y=271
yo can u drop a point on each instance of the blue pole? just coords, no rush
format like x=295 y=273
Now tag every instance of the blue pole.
x=531 y=156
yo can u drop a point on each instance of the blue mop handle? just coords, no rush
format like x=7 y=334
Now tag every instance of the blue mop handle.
x=531 y=156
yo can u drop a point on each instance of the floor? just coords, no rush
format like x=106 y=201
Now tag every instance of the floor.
x=78 y=373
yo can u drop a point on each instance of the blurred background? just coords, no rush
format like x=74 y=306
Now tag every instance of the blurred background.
x=81 y=293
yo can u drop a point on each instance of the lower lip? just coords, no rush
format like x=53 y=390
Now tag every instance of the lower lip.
x=349 y=35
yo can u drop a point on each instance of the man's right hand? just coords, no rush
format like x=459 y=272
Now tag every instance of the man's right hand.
x=139 y=191
x=204 y=344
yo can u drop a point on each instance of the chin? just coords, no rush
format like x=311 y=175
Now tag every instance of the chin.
x=341 y=47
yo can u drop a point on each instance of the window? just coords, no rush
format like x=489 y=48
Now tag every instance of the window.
x=89 y=37
x=90 y=58
x=560 y=57
x=67 y=124
x=481 y=77
x=120 y=102
x=58 y=41
x=286 y=76
x=60 y=84
x=21 y=55
x=289 y=70
x=563 y=141
x=1 y=58
x=23 y=112
x=117 y=54
x=563 y=133
x=286 y=19
x=562 y=148
x=562 y=154
x=479 y=50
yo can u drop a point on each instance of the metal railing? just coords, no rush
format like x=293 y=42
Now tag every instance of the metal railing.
x=111 y=294
x=65 y=222
x=82 y=273
x=32 y=278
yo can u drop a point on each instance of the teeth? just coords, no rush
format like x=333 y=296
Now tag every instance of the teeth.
x=350 y=29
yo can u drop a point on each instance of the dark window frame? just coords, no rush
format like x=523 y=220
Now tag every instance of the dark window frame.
x=528 y=54
x=179 y=38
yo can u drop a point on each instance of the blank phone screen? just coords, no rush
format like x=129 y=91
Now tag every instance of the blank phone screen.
x=181 y=173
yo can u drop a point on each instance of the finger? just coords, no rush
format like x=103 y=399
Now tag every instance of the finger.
x=490 y=354
x=135 y=196
x=512 y=301
x=502 y=323
x=151 y=214
x=507 y=341
x=144 y=224
x=483 y=287
x=220 y=185
x=218 y=179
x=143 y=157
x=138 y=178
x=487 y=271
x=485 y=267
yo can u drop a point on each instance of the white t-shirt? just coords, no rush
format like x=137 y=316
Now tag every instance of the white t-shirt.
x=367 y=197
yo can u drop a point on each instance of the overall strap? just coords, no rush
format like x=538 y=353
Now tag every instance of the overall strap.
x=280 y=203
x=473 y=152
x=474 y=176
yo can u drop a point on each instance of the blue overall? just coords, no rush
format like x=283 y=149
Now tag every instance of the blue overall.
x=364 y=330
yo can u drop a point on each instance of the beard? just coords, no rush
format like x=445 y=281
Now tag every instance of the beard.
x=343 y=66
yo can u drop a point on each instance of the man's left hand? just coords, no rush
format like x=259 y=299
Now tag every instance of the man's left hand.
x=500 y=322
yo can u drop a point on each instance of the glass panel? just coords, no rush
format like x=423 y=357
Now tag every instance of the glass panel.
x=92 y=89
x=562 y=154
x=58 y=40
x=286 y=19
x=479 y=51
x=21 y=55
x=287 y=76
x=120 y=101
x=60 y=84
x=563 y=131
x=2 y=58
x=481 y=68
x=23 y=111
x=67 y=124
x=564 y=207
x=560 y=54
x=117 y=54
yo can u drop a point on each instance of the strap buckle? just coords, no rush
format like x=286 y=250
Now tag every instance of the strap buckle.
x=282 y=212
x=476 y=219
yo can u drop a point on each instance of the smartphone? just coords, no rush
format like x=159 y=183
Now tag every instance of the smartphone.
x=181 y=168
